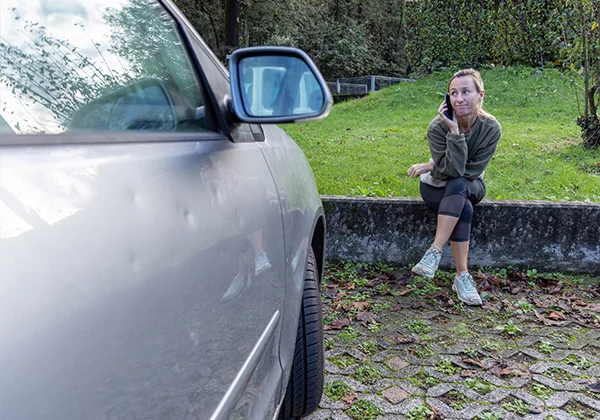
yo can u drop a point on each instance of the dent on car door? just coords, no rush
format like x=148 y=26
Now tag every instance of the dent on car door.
x=131 y=284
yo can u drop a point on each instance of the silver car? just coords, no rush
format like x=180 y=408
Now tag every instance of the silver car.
x=161 y=241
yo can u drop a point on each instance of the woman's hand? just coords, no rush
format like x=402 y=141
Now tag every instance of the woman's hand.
x=451 y=123
x=419 y=168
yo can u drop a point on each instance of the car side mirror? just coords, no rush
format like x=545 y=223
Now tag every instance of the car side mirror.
x=277 y=85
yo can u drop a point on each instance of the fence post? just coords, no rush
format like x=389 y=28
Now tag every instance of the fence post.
x=337 y=86
x=372 y=83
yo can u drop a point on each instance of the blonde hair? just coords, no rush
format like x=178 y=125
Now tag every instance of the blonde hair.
x=478 y=85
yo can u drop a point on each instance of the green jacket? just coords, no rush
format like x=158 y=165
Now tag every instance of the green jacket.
x=461 y=155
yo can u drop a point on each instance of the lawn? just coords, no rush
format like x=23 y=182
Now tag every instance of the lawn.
x=366 y=145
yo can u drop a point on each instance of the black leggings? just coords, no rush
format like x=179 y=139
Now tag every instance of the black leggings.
x=455 y=199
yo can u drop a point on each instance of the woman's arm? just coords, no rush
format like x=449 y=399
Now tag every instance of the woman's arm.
x=420 y=168
x=448 y=151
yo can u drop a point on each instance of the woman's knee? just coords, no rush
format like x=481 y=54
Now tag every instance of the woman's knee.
x=457 y=186
x=467 y=212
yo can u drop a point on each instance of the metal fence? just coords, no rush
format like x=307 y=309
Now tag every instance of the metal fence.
x=362 y=85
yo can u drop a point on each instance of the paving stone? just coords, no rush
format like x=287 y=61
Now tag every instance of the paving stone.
x=395 y=394
x=396 y=363
x=399 y=365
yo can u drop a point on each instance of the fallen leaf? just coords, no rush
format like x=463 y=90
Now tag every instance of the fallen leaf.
x=366 y=317
x=351 y=286
x=349 y=397
x=361 y=306
x=466 y=373
x=337 y=325
x=405 y=291
x=505 y=372
x=400 y=340
x=556 y=316
x=474 y=362
x=547 y=321
x=522 y=373
x=553 y=290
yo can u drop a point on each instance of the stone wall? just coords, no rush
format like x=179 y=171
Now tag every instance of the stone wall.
x=548 y=236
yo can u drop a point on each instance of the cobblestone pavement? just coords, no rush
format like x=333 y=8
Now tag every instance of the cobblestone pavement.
x=401 y=347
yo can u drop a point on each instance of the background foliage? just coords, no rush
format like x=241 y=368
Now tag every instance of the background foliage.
x=415 y=37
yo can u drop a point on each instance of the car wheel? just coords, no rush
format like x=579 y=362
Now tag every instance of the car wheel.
x=305 y=387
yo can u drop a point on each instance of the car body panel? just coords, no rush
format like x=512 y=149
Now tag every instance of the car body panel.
x=129 y=282
x=115 y=263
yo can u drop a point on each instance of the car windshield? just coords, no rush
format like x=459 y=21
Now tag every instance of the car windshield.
x=95 y=65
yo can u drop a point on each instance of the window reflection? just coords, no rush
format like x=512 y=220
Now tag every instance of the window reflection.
x=62 y=60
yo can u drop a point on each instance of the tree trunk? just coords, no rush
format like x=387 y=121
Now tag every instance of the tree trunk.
x=232 y=36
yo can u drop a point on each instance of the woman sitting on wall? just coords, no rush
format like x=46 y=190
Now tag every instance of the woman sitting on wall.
x=462 y=141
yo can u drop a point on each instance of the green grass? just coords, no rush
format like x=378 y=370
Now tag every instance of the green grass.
x=366 y=145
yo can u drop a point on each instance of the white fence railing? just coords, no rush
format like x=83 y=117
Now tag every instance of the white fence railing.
x=362 y=85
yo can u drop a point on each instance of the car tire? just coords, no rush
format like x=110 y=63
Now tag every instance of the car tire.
x=305 y=386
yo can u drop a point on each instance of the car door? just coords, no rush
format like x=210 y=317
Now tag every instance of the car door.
x=141 y=241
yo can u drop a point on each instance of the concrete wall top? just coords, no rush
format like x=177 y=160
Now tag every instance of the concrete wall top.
x=548 y=236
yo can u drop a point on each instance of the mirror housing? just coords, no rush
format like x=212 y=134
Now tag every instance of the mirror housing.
x=276 y=85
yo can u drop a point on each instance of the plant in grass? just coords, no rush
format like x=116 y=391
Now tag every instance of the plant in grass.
x=361 y=296
x=375 y=326
x=546 y=347
x=423 y=412
x=422 y=351
x=579 y=362
x=369 y=347
x=542 y=391
x=516 y=406
x=479 y=385
x=343 y=361
x=576 y=409
x=423 y=287
x=419 y=327
x=463 y=330
x=490 y=344
x=363 y=410
x=330 y=318
x=456 y=400
x=471 y=352
x=336 y=390
x=509 y=328
x=524 y=307
x=423 y=380
x=383 y=289
x=559 y=375
x=328 y=344
x=382 y=267
x=446 y=366
x=348 y=334
x=367 y=374
x=360 y=282
x=381 y=306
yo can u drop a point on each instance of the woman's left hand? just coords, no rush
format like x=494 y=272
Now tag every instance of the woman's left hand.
x=419 y=168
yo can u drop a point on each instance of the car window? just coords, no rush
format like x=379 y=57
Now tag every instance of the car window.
x=96 y=65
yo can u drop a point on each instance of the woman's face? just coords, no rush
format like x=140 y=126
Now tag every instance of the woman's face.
x=464 y=97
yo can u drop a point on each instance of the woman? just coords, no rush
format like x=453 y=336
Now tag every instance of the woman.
x=452 y=180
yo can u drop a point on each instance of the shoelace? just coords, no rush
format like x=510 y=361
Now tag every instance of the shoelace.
x=429 y=257
x=467 y=281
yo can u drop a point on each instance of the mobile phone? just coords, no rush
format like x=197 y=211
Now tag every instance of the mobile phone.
x=449 y=112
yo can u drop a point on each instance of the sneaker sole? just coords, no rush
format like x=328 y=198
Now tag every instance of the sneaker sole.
x=422 y=273
x=464 y=300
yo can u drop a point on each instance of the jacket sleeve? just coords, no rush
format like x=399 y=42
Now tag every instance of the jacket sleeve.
x=484 y=151
x=448 y=151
